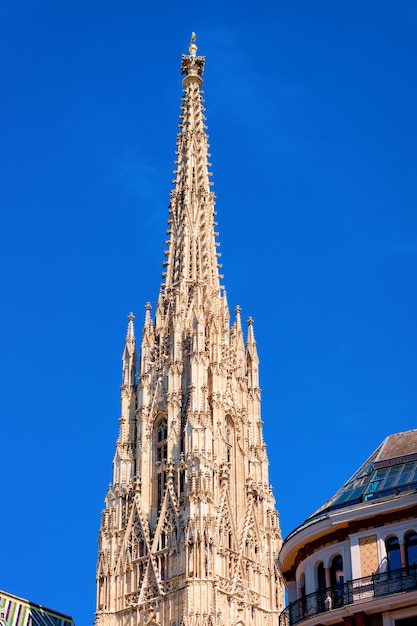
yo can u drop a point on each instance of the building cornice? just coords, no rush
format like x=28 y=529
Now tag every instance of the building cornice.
x=303 y=544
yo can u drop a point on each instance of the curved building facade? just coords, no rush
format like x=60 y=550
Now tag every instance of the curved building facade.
x=354 y=561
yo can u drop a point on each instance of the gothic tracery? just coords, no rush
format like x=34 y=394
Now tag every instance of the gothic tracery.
x=190 y=534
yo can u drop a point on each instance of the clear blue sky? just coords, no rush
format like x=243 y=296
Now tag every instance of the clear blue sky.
x=311 y=109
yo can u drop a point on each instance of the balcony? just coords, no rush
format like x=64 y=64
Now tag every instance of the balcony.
x=358 y=590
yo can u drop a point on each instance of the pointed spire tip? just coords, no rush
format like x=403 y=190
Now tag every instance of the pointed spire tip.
x=148 y=308
x=130 y=327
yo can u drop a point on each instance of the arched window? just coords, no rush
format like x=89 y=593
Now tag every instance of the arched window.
x=302 y=584
x=411 y=549
x=337 y=578
x=302 y=594
x=321 y=576
x=303 y=599
x=230 y=436
x=393 y=554
x=321 y=585
x=336 y=571
x=160 y=440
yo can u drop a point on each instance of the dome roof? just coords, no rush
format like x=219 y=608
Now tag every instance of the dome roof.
x=391 y=471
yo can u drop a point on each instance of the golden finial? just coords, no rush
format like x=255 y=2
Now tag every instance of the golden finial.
x=193 y=48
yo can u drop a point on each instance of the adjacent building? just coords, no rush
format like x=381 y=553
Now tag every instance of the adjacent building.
x=16 y=611
x=354 y=561
x=190 y=535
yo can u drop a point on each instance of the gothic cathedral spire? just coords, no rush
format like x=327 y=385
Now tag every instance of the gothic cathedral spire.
x=190 y=534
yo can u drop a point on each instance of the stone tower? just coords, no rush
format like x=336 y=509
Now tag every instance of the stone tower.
x=189 y=535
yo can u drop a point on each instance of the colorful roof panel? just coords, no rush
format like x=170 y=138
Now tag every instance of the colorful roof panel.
x=16 y=611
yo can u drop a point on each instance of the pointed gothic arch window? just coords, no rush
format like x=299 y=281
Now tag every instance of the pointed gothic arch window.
x=160 y=445
x=138 y=544
x=230 y=439
x=160 y=488
x=101 y=593
x=181 y=483
x=141 y=548
x=321 y=576
x=230 y=453
x=162 y=565
x=161 y=439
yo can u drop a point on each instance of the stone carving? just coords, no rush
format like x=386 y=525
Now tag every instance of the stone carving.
x=190 y=534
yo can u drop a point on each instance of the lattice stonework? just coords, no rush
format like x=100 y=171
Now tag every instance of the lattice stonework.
x=368 y=549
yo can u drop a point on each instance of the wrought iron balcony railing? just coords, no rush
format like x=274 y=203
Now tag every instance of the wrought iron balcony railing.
x=358 y=590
